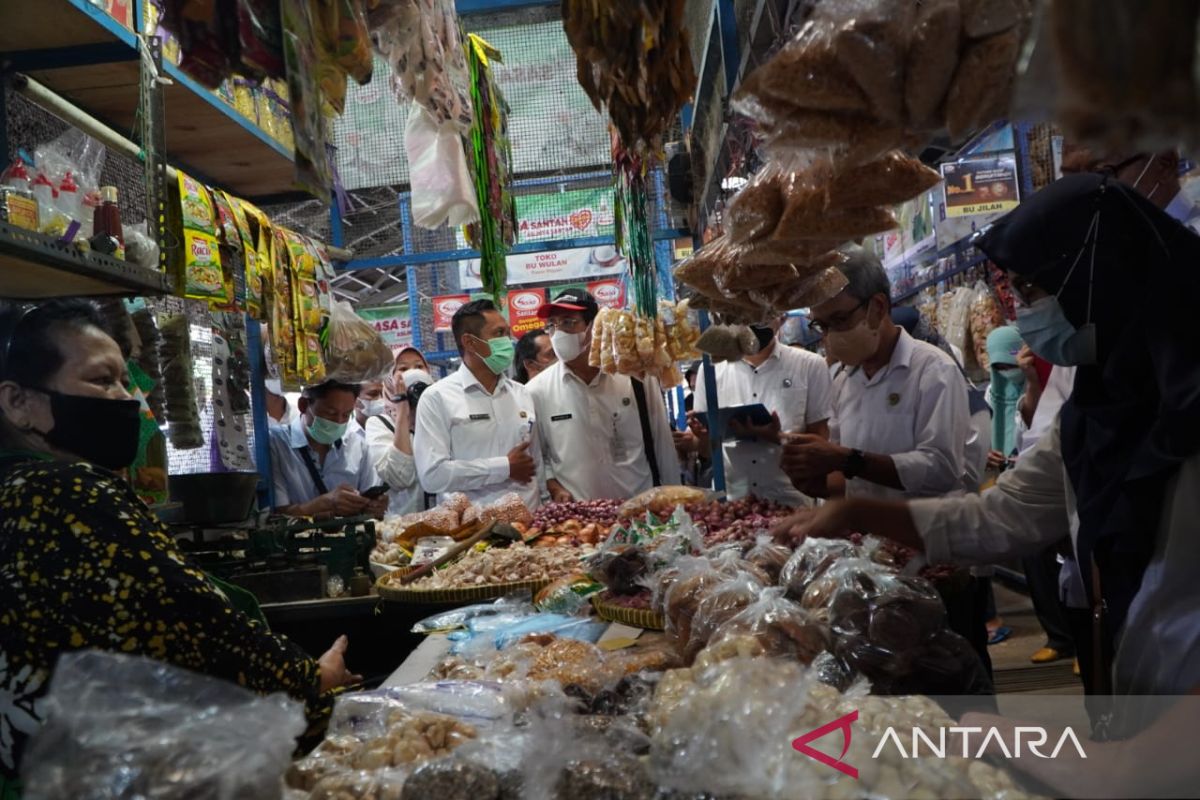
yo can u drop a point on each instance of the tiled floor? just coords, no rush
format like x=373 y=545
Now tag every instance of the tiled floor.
x=1014 y=672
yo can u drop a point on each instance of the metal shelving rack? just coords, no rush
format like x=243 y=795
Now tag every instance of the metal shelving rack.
x=83 y=54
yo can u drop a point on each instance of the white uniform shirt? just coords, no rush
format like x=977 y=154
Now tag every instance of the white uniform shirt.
x=463 y=436
x=1058 y=388
x=591 y=434
x=398 y=470
x=1033 y=506
x=346 y=462
x=914 y=410
x=794 y=384
x=289 y=416
x=1183 y=209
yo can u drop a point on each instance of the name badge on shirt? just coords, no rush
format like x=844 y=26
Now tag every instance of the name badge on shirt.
x=560 y=417
x=475 y=417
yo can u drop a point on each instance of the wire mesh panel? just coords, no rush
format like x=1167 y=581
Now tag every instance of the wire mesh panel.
x=1039 y=142
x=552 y=125
x=28 y=125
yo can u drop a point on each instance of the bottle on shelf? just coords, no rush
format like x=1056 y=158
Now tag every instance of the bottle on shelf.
x=106 y=225
x=70 y=201
x=47 y=199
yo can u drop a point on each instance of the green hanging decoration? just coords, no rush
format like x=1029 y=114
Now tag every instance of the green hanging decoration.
x=632 y=226
x=490 y=159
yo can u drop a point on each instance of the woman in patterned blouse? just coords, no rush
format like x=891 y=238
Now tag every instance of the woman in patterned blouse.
x=83 y=563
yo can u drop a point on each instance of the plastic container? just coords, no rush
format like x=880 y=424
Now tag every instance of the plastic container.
x=70 y=200
x=17 y=176
x=47 y=200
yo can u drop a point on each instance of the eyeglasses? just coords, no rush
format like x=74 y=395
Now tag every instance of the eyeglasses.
x=838 y=322
x=10 y=335
x=565 y=324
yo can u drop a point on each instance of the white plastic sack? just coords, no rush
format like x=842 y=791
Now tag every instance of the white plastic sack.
x=124 y=727
x=442 y=190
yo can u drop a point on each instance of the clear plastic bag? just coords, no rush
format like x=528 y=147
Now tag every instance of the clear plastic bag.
x=755 y=211
x=770 y=626
x=719 y=603
x=354 y=351
x=442 y=190
x=805 y=292
x=810 y=561
x=660 y=501
x=128 y=727
x=890 y=180
x=769 y=556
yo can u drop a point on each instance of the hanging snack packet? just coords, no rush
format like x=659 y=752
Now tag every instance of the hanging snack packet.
x=201 y=276
x=249 y=248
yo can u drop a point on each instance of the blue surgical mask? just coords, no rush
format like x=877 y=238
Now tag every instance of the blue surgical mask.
x=324 y=431
x=1044 y=325
x=1049 y=334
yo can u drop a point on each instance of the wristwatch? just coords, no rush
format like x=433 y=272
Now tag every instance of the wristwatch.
x=856 y=462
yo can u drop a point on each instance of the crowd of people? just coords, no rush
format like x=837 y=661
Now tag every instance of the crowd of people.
x=1090 y=421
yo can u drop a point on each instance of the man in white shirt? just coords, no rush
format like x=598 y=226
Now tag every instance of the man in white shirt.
x=319 y=470
x=593 y=426
x=279 y=410
x=795 y=387
x=900 y=413
x=389 y=438
x=370 y=403
x=475 y=429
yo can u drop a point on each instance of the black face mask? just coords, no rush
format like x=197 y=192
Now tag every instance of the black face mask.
x=98 y=430
x=764 y=334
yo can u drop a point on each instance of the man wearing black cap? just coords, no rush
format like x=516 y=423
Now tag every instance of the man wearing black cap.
x=603 y=436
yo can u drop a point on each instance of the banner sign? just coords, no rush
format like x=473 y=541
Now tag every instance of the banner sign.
x=608 y=293
x=579 y=264
x=565 y=215
x=393 y=323
x=981 y=185
x=523 y=305
x=444 y=308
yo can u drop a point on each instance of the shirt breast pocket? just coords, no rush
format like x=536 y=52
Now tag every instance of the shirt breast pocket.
x=792 y=409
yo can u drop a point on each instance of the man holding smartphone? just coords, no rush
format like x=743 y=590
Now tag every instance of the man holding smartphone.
x=794 y=386
x=319 y=470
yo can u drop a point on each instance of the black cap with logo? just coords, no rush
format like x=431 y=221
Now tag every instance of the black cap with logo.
x=571 y=300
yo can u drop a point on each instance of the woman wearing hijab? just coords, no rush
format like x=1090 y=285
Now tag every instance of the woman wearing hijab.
x=1004 y=392
x=1108 y=284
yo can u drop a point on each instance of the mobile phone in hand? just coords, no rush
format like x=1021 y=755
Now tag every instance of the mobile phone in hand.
x=376 y=491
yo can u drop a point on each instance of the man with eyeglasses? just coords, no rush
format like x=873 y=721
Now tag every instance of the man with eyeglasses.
x=602 y=436
x=900 y=413
x=794 y=386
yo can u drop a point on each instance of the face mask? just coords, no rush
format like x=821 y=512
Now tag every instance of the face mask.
x=1048 y=332
x=854 y=346
x=323 y=431
x=764 y=335
x=97 y=429
x=567 y=346
x=502 y=349
x=372 y=408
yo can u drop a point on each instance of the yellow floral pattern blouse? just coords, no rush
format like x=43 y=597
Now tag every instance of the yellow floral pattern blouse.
x=84 y=564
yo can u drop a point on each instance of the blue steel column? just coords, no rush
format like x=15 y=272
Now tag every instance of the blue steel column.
x=258 y=414
x=410 y=275
x=715 y=434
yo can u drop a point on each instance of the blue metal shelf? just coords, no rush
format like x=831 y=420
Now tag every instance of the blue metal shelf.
x=81 y=53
